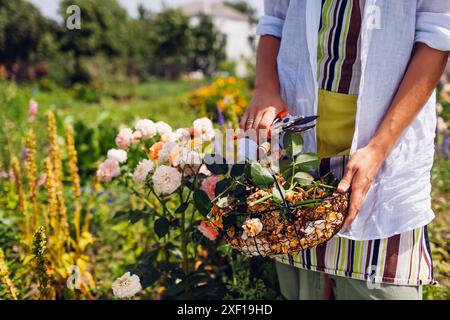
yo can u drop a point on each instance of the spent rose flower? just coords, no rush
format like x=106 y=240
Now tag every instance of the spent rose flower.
x=147 y=128
x=155 y=149
x=125 y=138
x=126 y=286
x=32 y=110
x=209 y=185
x=208 y=230
x=163 y=128
x=439 y=108
x=108 y=170
x=203 y=127
x=166 y=179
x=142 y=170
x=118 y=154
x=252 y=227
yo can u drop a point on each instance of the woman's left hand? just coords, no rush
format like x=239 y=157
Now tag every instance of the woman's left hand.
x=360 y=172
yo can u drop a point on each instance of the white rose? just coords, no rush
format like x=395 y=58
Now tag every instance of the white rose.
x=164 y=153
x=163 y=128
x=203 y=127
x=147 y=128
x=142 y=170
x=117 y=154
x=126 y=286
x=166 y=179
x=169 y=136
x=182 y=133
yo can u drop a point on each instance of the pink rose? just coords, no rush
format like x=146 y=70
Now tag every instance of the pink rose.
x=137 y=136
x=125 y=138
x=209 y=186
x=147 y=128
x=208 y=230
x=108 y=170
x=32 y=110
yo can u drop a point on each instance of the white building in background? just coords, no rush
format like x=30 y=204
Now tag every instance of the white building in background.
x=230 y=22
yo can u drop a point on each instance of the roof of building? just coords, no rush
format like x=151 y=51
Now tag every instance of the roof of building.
x=212 y=8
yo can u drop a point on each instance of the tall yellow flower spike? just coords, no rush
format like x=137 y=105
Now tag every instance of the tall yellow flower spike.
x=5 y=279
x=31 y=171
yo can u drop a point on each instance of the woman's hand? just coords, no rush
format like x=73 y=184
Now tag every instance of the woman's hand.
x=263 y=109
x=424 y=70
x=360 y=172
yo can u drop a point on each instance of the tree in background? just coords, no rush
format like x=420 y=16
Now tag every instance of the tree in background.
x=110 y=46
x=208 y=46
x=105 y=26
x=24 y=32
x=173 y=43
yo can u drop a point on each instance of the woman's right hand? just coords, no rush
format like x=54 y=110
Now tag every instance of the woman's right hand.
x=263 y=109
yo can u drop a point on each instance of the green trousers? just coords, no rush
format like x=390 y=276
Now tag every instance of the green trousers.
x=300 y=284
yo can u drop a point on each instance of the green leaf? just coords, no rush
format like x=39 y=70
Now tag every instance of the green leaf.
x=307 y=162
x=221 y=186
x=303 y=178
x=260 y=175
x=216 y=164
x=293 y=144
x=136 y=215
x=237 y=170
x=238 y=190
x=278 y=196
x=182 y=208
x=202 y=202
x=121 y=215
x=161 y=227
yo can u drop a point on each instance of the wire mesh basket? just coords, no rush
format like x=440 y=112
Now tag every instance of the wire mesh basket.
x=284 y=230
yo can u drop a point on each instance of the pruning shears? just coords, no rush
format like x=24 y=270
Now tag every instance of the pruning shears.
x=283 y=123
x=287 y=123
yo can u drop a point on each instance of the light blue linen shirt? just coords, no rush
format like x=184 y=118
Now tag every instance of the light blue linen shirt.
x=399 y=199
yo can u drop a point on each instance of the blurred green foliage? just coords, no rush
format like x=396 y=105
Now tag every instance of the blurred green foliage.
x=110 y=46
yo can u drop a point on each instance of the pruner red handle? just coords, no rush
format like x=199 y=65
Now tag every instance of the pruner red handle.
x=279 y=116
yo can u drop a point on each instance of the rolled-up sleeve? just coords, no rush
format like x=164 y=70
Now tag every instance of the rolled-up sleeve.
x=271 y=23
x=433 y=23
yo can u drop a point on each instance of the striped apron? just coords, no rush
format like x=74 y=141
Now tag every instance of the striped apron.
x=403 y=259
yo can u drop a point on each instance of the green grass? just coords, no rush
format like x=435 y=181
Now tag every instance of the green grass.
x=158 y=99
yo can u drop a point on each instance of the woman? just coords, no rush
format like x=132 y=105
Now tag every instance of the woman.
x=368 y=68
